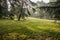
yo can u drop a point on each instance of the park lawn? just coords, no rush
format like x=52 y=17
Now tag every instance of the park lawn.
x=30 y=29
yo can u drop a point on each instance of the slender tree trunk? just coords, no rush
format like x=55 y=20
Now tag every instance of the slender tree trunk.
x=20 y=15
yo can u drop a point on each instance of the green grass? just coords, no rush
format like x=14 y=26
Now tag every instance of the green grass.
x=30 y=29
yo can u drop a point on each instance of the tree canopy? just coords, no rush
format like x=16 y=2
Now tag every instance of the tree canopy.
x=21 y=9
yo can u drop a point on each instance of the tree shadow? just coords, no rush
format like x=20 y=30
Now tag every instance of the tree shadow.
x=23 y=33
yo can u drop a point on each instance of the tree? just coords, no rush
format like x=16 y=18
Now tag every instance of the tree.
x=3 y=8
x=57 y=12
x=18 y=8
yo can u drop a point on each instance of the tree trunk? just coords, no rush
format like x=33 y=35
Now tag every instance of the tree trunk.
x=20 y=15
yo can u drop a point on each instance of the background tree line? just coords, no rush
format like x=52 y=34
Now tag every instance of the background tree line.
x=21 y=9
x=47 y=10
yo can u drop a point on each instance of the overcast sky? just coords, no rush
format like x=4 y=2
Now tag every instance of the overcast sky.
x=46 y=1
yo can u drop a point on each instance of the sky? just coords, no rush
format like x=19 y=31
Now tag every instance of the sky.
x=46 y=1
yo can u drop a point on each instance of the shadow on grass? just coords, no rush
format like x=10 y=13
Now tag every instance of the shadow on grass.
x=21 y=32
x=26 y=34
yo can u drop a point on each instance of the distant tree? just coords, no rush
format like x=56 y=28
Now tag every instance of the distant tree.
x=3 y=8
x=57 y=12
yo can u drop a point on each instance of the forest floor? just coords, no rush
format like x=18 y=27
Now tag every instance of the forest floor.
x=30 y=29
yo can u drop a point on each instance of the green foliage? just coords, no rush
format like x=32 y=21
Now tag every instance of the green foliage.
x=3 y=8
x=17 y=8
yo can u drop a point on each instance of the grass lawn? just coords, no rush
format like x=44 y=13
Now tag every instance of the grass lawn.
x=30 y=29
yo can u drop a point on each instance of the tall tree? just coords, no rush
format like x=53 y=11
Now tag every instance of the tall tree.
x=18 y=7
x=57 y=12
x=3 y=8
